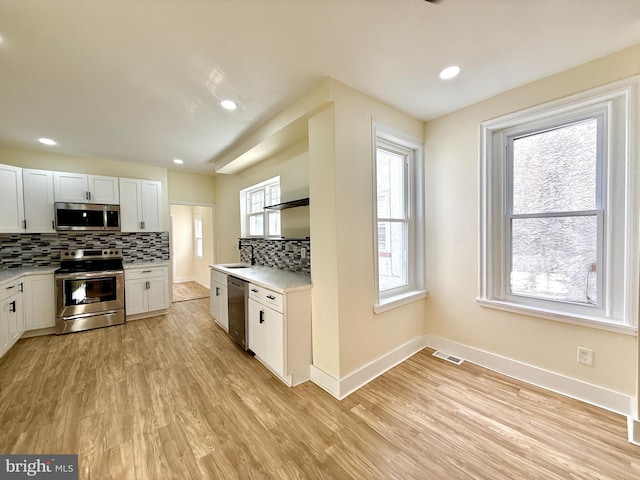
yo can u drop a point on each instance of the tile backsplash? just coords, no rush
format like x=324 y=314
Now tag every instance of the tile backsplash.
x=283 y=253
x=43 y=249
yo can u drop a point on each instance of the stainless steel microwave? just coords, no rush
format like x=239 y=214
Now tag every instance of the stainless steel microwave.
x=87 y=216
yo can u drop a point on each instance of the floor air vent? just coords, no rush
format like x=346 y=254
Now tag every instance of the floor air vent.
x=447 y=357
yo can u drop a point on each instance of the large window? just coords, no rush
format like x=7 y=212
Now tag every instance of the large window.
x=256 y=220
x=399 y=225
x=197 y=235
x=557 y=216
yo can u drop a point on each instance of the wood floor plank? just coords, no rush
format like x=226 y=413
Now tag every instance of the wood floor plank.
x=172 y=397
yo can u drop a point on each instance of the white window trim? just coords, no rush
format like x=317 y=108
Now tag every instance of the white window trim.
x=198 y=218
x=245 y=216
x=625 y=93
x=415 y=290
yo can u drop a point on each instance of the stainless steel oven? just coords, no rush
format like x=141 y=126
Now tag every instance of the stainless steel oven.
x=89 y=290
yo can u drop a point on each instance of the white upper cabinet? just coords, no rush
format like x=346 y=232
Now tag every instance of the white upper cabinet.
x=38 y=200
x=11 y=200
x=140 y=205
x=81 y=188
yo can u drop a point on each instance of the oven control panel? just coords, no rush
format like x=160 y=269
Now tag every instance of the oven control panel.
x=85 y=254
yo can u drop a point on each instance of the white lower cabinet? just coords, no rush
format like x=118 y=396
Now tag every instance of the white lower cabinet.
x=39 y=301
x=219 y=307
x=146 y=291
x=11 y=314
x=279 y=334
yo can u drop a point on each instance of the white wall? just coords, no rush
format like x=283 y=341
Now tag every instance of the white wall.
x=186 y=267
x=451 y=149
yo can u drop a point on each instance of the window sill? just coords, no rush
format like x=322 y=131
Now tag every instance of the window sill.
x=399 y=300
x=574 y=319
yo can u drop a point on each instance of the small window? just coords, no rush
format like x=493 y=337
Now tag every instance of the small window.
x=399 y=222
x=256 y=220
x=197 y=227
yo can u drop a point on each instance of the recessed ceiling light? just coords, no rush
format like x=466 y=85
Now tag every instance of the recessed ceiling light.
x=177 y=161
x=450 y=72
x=47 y=141
x=228 y=104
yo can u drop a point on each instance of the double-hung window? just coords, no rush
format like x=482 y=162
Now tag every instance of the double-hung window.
x=256 y=220
x=399 y=224
x=559 y=208
x=197 y=235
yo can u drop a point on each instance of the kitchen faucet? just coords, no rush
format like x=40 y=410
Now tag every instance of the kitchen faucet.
x=240 y=245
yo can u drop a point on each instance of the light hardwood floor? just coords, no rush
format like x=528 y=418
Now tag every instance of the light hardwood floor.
x=189 y=291
x=173 y=398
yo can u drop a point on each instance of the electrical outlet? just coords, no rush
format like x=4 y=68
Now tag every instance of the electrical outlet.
x=303 y=253
x=585 y=356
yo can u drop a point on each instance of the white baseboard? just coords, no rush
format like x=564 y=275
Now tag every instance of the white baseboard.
x=184 y=279
x=570 y=387
x=203 y=283
x=341 y=388
x=633 y=428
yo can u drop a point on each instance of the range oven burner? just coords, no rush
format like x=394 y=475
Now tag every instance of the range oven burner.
x=89 y=290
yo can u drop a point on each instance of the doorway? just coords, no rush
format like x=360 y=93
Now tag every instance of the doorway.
x=192 y=247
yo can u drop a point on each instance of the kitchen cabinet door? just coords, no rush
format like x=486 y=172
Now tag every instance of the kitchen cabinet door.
x=39 y=301
x=70 y=187
x=257 y=329
x=151 y=199
x=219 y=307
x=158 y=293
x=16 y=317
x=140 y=205
x=103 y=189
x=39 y=210
x=136 y=297
x=11 y=200
x=5 y=310
x=266 y=335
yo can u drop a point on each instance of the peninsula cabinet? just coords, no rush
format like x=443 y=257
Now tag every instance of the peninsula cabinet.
x=218 y=305
x=279 y=326
x=80 y=188
x=140 y=205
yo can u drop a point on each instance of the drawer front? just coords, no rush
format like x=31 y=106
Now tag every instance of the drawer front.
x=133 y=273
x=8 y=289
x=267 y=297
x=218 y=277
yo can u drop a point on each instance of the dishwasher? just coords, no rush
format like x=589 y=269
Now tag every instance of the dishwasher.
x=238 y=292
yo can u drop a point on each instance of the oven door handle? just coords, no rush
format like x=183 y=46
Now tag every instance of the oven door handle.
x=83 y=275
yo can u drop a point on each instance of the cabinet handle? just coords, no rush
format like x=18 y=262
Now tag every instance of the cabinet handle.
x=24 y=224
x=142 y=225
x=254 y=290
x=217 y=291
x=147 y=271
x=148 y=285
x=12 y=286
x=271 y=297
x=261 y=316
x=21 y=287
x=12 y=306
x=53 y=225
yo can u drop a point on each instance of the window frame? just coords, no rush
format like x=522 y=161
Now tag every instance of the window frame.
x=246 y=214
x=616 y=208
x=198 y=240
x=411 y=149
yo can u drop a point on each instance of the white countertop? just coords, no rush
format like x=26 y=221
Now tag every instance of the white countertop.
x=268 y=277
x=14 y=273
x=151 y=263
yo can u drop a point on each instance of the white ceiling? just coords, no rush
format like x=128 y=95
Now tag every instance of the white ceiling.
x=140 y=80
